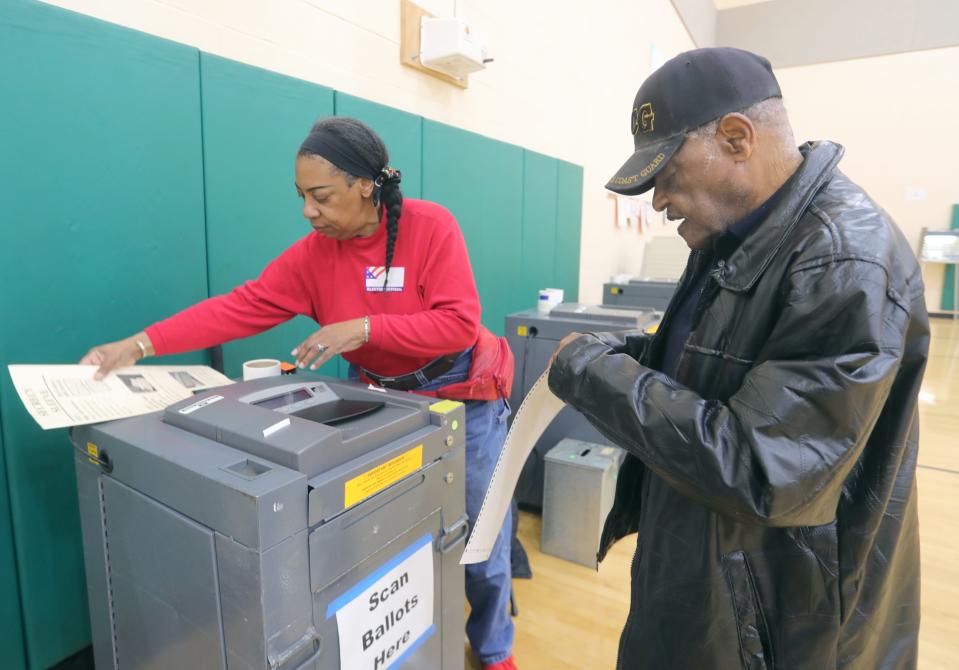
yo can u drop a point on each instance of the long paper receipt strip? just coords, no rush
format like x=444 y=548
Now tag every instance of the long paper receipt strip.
x=536 y=413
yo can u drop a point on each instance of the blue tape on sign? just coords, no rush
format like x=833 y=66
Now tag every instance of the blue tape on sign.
x=348 y=597
x=416 y=645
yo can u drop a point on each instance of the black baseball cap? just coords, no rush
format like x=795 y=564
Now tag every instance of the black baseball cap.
x=686 y=92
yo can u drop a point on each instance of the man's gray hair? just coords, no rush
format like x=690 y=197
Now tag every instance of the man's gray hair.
x=769 y=115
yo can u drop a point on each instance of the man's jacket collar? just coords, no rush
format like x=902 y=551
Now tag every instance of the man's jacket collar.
x=745 y=266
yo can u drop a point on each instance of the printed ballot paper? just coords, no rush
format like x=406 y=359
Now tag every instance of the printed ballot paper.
x=536 y=413
x=58 y=396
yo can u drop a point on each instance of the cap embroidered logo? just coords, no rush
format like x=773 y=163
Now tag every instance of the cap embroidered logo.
x=646 y=117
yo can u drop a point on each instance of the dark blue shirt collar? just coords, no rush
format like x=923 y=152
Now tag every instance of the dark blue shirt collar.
x=733 y=236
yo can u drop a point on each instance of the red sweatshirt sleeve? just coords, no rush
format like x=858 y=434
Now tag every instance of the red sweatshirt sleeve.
x=452 y=318
x=276 y=296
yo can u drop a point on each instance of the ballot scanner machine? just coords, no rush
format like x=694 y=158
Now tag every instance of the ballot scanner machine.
x=643 y=293
x=533 y=336
x=282 y=523
x=664 y=260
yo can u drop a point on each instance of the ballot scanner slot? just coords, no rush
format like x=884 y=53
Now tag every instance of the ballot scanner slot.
x=317 y=403
x=338 y=411
x=285 y=399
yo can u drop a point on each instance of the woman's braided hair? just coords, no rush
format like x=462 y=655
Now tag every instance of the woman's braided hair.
x=369 y=149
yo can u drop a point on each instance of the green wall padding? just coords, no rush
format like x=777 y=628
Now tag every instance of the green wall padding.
x=538 y=268
x=948 y=300
x=402 y=132
x=101 y=185
x=481 y=182
x=569 y=211
x=253 y=123
x=11 y=625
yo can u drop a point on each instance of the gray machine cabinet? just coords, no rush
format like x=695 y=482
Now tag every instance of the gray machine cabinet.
x=533 y=336
x=217 y=533
x=578 y=493
x=641 y=293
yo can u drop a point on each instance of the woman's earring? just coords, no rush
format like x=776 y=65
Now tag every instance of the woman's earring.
x=376 y=199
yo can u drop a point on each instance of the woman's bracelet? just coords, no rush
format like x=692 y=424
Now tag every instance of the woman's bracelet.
x=366 y=329
x=143 y=349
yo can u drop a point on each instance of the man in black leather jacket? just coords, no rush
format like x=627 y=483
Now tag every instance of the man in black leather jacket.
x=771 y=423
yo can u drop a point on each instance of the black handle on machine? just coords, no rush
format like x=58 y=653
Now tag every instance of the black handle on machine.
x=452 y=536
x=311 y=637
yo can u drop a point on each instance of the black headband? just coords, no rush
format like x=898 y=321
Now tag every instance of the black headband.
x=338 y=151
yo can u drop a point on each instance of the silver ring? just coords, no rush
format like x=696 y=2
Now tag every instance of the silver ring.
x=321 y=348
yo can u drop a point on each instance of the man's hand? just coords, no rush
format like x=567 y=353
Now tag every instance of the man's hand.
x=329 y=341
x=562 y=343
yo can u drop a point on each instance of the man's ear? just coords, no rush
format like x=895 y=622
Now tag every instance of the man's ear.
x=737 y=136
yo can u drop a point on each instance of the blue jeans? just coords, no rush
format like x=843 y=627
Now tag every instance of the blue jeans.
x=488 y=584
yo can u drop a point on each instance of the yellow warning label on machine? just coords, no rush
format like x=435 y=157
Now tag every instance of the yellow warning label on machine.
x=94 y=453
x=445 y=406
x=373 y=481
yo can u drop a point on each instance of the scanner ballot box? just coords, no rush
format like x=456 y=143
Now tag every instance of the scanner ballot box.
x=279 y=523
x=578 y=492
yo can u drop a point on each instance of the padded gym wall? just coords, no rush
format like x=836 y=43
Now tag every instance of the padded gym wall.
x=520 y=213
x=481 y=182
x=102 y=190
x=253 y=123
x=569 y=216
x=11 y=641
x=538 y=256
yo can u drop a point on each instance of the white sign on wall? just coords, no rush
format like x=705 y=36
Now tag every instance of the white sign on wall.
x=388 y=615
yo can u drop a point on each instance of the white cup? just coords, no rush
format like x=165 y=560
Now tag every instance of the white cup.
x=261 y=367
x=549 y=298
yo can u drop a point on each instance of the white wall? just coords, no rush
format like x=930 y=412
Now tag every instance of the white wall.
x=898 y=117
x=563 y=80
x=729 y=4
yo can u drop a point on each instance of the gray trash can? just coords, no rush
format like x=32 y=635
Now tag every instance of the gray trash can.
x=311 y=524
x=578 y=493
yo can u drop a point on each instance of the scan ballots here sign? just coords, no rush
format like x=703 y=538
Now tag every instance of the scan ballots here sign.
x=386 y=617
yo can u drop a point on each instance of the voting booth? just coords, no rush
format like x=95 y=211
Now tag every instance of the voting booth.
x=282 y=523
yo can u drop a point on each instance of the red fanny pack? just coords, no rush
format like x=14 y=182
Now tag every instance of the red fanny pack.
x=490 y=375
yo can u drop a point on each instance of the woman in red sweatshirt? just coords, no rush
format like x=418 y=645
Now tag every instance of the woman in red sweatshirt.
x=390 y=282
